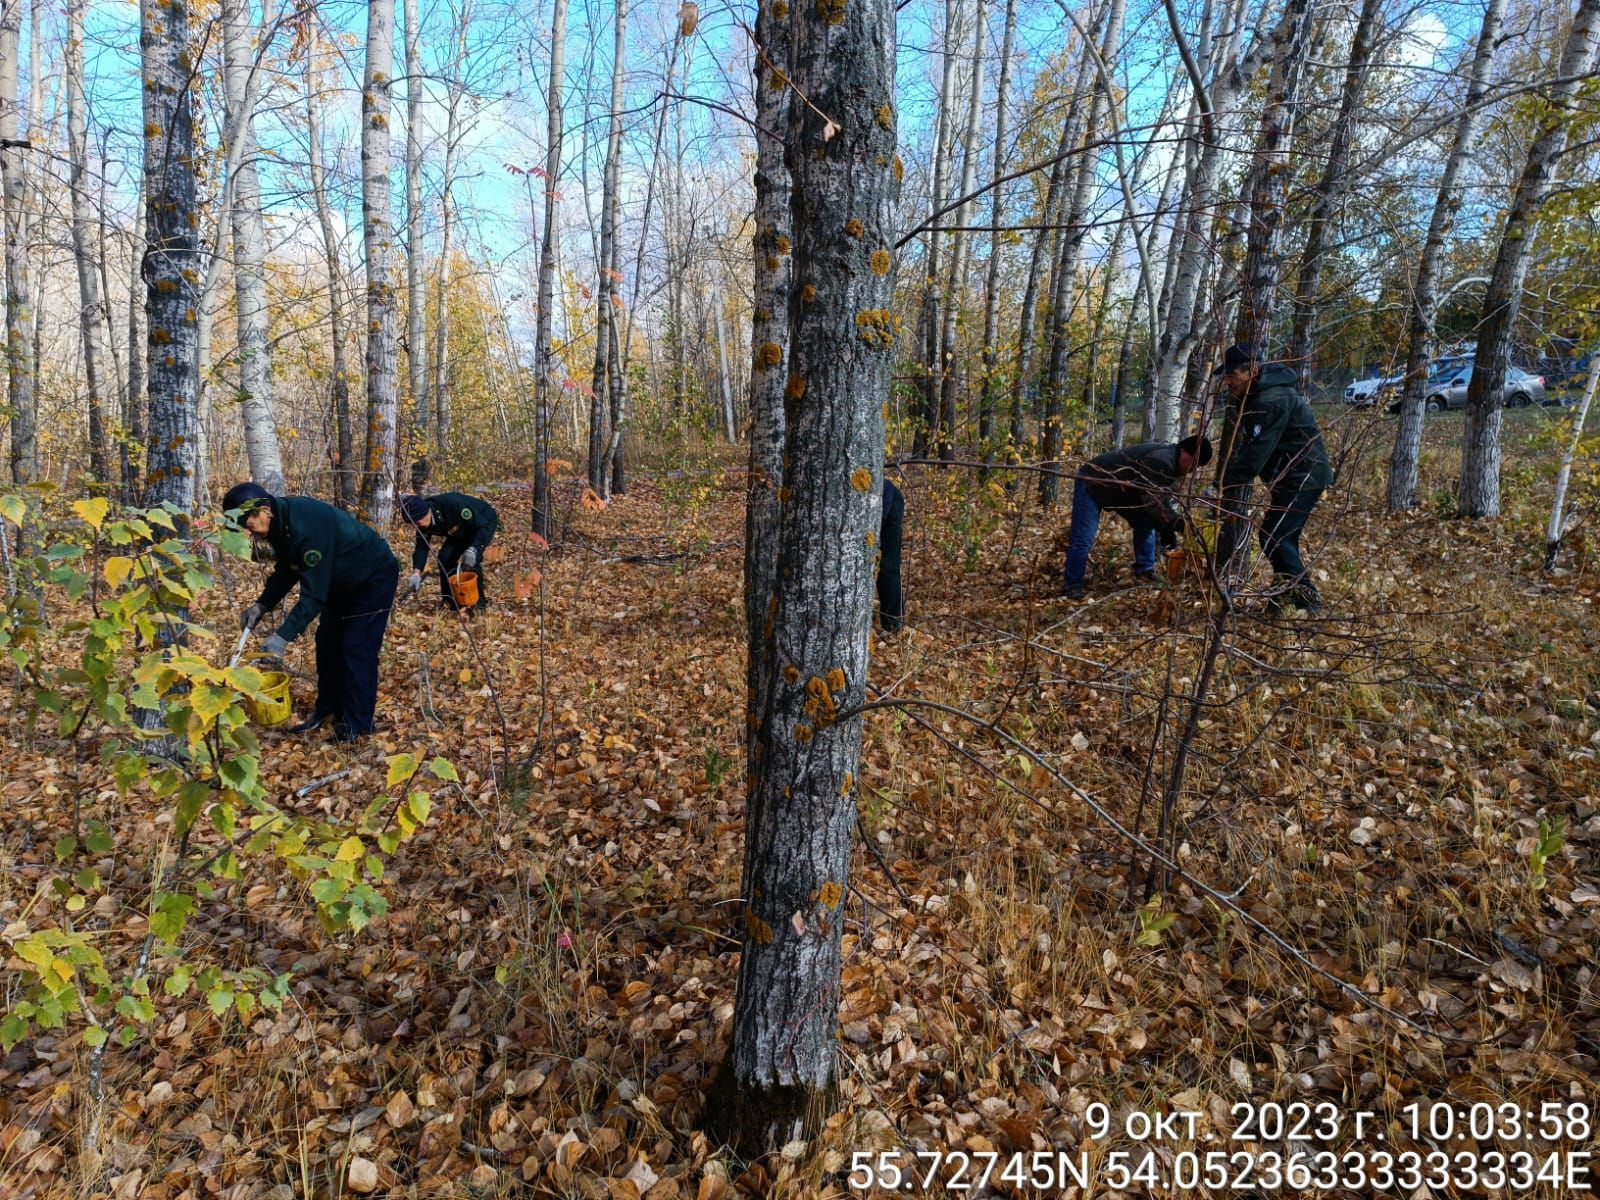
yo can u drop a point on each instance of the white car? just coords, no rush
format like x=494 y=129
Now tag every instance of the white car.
x=1364 y=392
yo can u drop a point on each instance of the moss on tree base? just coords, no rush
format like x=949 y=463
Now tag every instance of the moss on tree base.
x=754 y=1120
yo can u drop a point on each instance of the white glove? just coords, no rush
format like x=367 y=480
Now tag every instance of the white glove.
x=469 y=558
x=414 y=584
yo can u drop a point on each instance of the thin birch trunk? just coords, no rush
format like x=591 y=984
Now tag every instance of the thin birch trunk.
x=542 y=354
x=416 y=285
x=447 y=211
x=134 y=399
x=606 y=294
x=931 y=320
x=960 y=247
x=19 y=300
x=254 y=351
x=1269 y=186
x=1402 y=487
x=174 y=247
x=378 y=478
x=1331 y=188
x=728 y=418
x=1556 y=530
x=1478 y=493
x=344 y=483
x=989 y=388
x=91 y=310
x=778 y=1081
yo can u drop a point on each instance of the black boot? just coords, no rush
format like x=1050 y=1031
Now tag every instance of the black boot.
x=314 y=722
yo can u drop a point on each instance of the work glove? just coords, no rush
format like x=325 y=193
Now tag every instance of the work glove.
x=1168 y=538
x=414 y=583
x=274 y=646
x=250 y=616
x=469 y=558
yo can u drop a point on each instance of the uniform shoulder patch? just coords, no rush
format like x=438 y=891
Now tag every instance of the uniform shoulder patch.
x=311 y=558
x=466 y=513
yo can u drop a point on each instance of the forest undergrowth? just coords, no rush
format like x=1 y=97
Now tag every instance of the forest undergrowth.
x=1404 y=790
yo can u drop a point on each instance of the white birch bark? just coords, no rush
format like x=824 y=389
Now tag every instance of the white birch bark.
x=1556 y=530
x=989 y=387
x=92 y=310
x=1478 y=492
x=416 y=293
x=1402 y=486
x=19 y=300
x=254 y=350
x=542 y=353
x=378 y=478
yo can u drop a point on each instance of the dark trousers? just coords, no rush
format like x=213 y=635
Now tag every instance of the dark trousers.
x=891 y=602
x=449 y=556
x=1281 y=527
x=349 y=637
x=1085 y=527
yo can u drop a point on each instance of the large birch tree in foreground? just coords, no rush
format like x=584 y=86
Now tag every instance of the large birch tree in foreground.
x=779 y=1076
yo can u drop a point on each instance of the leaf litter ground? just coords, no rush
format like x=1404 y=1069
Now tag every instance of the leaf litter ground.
x=540 y=1010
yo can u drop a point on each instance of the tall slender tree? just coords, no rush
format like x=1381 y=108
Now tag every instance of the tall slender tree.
x=92 y=309
x=377 y=481
x=1402 y=487
x=19 y=298
x=173 y=290
x=344 y=465
x=608 y=289
x=1478 y=493
x=440 y=360
x=254 y=352
x=416 y=255
x=543 y=354
x=989 y=385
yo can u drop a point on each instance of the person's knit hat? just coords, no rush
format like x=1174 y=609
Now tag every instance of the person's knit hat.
x=414 y=508
x=1241 y=354
x=244 y=497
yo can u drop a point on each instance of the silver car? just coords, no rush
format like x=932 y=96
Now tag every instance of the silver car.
x=1448 y=388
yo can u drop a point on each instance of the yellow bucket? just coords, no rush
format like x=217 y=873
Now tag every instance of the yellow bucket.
x=275 y=709
x=464 y=587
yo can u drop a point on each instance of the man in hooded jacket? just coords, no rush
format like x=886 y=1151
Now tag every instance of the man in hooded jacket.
x=1270 y=433
x=347 y=577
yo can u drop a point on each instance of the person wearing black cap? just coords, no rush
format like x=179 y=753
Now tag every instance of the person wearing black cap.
x=1269 y=433
x=1138 y=483
x=347 y=577
x=467 y=526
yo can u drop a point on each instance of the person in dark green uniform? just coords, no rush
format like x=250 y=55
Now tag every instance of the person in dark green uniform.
x=347 y=577
x=467 y=526
x=1269 y=433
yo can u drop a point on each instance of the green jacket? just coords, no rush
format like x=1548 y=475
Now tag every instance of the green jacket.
x=1272 y=435
x=322 y=549
x=461 y=521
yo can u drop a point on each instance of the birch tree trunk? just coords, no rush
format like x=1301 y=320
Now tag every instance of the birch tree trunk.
x=960 y=247
x=19 y=301
x=344 y=490
x=1330 y=189
x=133 y=399
x=174 y=245
x=1478 y=494
x=1402 y=488
x=377 y=481
x=249 y=255
x=416 y=286
x=989 y=388
x=779 y=1078
x=769 y=334
x=1180 y=331
x=730 y=421
x=1269 y=184
x=1557 y=529
x=447 y=212
x=931 y=321
x=92 y=310
x=542 y=354
x=606 y=293
x=1071 y=243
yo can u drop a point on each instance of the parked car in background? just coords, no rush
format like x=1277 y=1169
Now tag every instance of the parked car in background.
x=1448 y=382
x=1364 y=392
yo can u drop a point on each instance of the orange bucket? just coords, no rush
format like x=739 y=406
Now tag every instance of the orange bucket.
x=464 y=587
